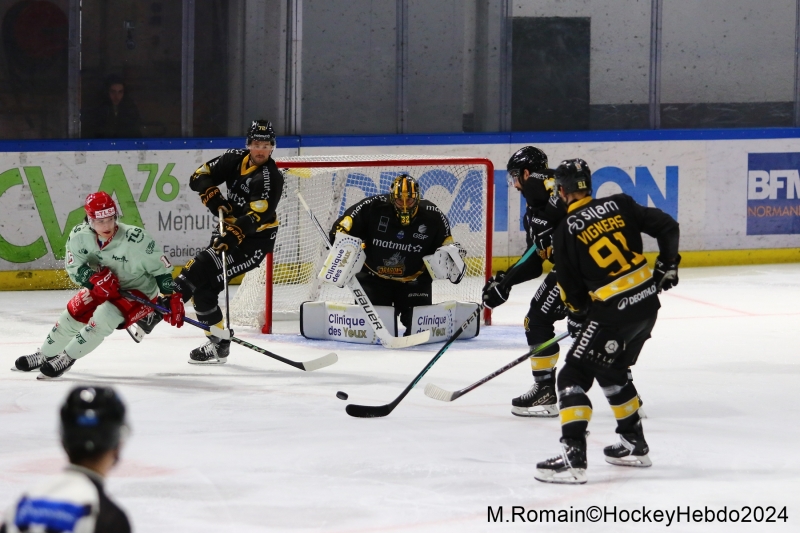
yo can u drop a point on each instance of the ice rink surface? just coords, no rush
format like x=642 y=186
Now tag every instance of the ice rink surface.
x=256 y=445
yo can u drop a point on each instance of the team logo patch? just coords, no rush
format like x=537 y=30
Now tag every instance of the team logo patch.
x=394 y=266
x=401 y=234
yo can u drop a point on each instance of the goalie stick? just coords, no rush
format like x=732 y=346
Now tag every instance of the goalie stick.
x=438 y=393
x=308 y=366
x=389 y=341
x=377 y=411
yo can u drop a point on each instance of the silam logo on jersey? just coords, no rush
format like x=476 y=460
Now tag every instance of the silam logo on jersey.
x=773 y=193
x=577 y=222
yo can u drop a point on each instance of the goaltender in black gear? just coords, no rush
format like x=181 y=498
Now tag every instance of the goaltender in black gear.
x=397 y=229
x=254 y=188
x=606 y=285
x=93 y=430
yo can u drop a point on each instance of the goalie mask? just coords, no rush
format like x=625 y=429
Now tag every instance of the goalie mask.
x=404 y=195
x=100 y=210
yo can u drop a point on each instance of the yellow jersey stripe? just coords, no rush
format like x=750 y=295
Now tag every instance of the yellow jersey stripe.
x=623 y=284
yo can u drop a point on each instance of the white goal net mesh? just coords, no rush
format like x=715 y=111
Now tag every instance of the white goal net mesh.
x=458 y=187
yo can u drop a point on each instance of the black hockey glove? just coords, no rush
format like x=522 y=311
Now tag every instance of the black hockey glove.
x=544 y=243
x=574 y=324
x=494 y=294
x=233 y=237
x=214 y=200
x=666 y=273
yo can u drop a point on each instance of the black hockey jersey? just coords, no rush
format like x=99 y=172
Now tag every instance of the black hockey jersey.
x=598 y=251
x=543 y=210
x=253 y=192
x=73 y=502
x=394 y=251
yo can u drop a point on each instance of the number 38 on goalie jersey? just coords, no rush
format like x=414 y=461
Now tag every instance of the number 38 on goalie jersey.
x=394 y=251
x=598 y=250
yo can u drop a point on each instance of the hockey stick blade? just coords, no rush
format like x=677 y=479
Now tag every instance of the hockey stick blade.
x=369 y=411
x=438 y=393
x=308 y=366
x=404 y=342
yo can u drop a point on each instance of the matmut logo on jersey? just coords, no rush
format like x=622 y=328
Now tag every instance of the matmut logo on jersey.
x=773 y=193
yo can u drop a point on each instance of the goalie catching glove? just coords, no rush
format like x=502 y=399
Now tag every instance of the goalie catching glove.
x=447 y=262
x=345 y=259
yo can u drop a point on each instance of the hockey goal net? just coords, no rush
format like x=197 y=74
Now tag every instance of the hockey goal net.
x=460 y=187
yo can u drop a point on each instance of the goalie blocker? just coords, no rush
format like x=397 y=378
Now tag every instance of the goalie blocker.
x=347 y=322
x=345 y=259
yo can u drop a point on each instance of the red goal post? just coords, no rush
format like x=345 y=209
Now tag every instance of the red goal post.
x=462 y=187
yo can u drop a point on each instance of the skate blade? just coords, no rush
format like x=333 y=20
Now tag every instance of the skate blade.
x=42 y=377
x=572 y=476
x=545 y=411
x=641 y=461
x=209 y=362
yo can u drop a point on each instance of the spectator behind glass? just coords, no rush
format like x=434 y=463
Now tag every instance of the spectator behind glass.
x=116 y=117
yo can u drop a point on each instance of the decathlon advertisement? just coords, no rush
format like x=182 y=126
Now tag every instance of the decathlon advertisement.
x=727 y=194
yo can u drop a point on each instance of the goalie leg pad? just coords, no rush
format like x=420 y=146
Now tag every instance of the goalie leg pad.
x=343 y=322
x=446 y=263
x=443 y=319
x=345 y=259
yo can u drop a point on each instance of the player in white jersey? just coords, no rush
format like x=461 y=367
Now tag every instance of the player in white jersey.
x=104 y=256
x=93 y=430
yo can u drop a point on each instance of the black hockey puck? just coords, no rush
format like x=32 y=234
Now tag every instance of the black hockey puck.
x=341 y=395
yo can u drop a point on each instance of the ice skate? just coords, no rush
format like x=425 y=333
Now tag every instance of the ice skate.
x=26 y=363
x=631 y=450
x=568 y=468
x=214 y=352
x=56 y=366
x=540 y=401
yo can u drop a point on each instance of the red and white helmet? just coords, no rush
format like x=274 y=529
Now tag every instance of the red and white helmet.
x=100 y=205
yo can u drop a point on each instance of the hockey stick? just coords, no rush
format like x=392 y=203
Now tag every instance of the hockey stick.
x=438 y=393
x=225 y=274
x=308 y=366
x=389 y=341
x=377 y=411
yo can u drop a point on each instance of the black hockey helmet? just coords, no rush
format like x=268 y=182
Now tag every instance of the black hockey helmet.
x=404 y=195
x=261 y=130
x=527 y=158
x=92 y=421
x=574 y=175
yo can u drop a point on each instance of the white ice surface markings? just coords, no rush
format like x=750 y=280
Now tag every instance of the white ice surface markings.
x=256 y=445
